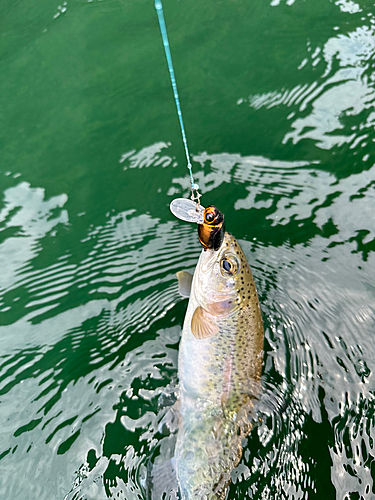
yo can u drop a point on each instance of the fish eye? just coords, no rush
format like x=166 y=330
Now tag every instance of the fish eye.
x=229 y=265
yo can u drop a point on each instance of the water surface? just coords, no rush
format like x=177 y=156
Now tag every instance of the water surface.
x=278 y=99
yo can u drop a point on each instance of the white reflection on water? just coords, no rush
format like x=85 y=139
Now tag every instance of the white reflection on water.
x=348 y=92
x=321 y=108
x=348 y=6
x=147 y=157
x=293 y=191
x=29 y=217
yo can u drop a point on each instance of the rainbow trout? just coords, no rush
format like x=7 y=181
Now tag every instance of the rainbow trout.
x=220 y=362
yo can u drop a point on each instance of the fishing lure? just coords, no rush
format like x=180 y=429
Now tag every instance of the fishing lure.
x=211 y=222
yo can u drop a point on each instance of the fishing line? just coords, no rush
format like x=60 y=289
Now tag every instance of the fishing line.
x=195 y=195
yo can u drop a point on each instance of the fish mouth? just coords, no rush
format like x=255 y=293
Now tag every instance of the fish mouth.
x=209 y=258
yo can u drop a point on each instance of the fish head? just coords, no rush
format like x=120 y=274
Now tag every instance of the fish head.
x=222 y=278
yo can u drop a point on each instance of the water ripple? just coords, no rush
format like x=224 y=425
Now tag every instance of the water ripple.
x=323 y=110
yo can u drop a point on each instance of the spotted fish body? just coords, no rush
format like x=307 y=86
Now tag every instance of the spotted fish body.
x=220 y=361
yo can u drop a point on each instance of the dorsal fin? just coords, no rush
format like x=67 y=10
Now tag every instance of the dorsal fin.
x=184 y=283
x=203 y=324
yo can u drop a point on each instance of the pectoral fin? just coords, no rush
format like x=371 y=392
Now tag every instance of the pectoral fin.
x=184 y=283
x=203 y=324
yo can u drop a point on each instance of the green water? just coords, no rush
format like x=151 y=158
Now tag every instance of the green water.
x=278 y=99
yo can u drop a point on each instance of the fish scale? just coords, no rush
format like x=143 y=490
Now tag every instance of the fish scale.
x=219 y=374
